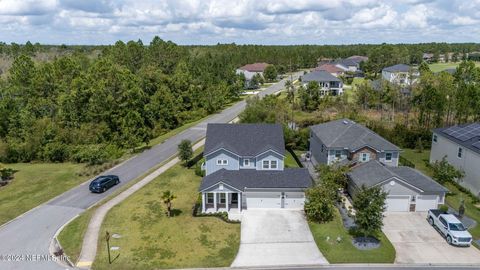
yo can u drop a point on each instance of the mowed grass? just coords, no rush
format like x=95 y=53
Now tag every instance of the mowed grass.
x=436 y=67
x=455 y=196
x=344 y=251
x=71 y=239
x=36 y=183
x=290 y=162
x=152 y=240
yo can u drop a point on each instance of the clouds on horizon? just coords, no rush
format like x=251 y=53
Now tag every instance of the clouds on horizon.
x=239 y=21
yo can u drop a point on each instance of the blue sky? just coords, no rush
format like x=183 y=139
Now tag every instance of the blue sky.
x=240 y=21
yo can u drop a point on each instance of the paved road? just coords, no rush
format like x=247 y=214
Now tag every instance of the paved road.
x=26 y=240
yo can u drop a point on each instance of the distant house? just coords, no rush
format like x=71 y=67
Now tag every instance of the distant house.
x=251 y=70
x=329 y=84
x=244 y=169
x=428 y=57
x=331 y=68
x=358 y=59
x=347 y=65
x=408 y=189
x=400 y=74
x=461 y=146
x=347 y=142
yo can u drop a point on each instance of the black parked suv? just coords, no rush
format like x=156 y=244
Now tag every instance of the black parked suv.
x=104 y=182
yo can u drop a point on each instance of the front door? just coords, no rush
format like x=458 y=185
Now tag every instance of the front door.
x=234 y=197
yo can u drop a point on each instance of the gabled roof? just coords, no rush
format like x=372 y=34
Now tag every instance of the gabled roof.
x=358 y=58
x=466 y=135
x=255 y=67
x=319 y=76
x=373 y=173
x=397 y=68
x=346 y=62
x=245 y=139
x=241 y=179
x=345 y=133
x=330 y=68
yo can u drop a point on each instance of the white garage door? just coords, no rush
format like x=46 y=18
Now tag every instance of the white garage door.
x=426 y=202
x=263 y=200
x=398 y=203
x=294 y=200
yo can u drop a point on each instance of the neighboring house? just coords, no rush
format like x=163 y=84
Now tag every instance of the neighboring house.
x=329 y=84
x=428 y=57
x=331 y=68
x=347 y=142
x=251 y=70
x=358 y=59
x=244 y=169
x=400 y=74
x=408 y=189
x=461 y=146
x=347 y=65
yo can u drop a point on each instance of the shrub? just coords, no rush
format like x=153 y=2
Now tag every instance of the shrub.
x=93 y=154
x=6 y=173
x=443 y=208
x=56 y=152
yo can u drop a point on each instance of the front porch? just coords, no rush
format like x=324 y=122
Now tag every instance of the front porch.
x=213 y=202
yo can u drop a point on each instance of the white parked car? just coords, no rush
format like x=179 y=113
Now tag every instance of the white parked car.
x=451 y=228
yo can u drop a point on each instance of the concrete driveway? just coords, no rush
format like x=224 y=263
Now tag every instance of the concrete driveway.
x=417 y=242
x=276 y=237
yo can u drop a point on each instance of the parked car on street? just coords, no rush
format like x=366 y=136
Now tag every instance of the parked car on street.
x=104 y=182
x=450 y=227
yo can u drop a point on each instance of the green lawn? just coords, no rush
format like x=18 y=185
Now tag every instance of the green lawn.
x=36 y=183
x=71 y=239
x=290 y=162
x=454 y=198
x=436 y=67
x=344 y=251
x=152 y=240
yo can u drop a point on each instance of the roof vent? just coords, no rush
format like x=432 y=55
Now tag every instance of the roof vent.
x=345 y=122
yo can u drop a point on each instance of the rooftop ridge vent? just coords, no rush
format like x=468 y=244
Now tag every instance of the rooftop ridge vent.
x=345 y=122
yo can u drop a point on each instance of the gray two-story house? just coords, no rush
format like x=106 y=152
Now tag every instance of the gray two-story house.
x=344 y=141
x=461 y=147
x=244 y=169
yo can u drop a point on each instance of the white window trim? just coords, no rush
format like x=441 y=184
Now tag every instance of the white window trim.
x=246 y=162
x=210 y=197
x=460 y=151
x=367 y=157
x=271 y=164
x=391 y=157
x=267 y=163
x=222 y=200
x=335 y=154
x=222 y=162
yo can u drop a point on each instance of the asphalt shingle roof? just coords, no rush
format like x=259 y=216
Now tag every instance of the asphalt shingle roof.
x=345 y=133
x=472 y=143
x=245 y=139
x=255 y=67
x=241 y=179
x=319 y=76
x=397 y=68
x=373 y=173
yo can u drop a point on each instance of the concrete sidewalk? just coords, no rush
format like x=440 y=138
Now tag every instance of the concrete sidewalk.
x=90 y=240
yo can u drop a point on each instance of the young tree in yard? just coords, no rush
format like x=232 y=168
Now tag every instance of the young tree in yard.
x=270 y=73
x=320 y=204
x=444 y=172
x=333 y=175
x=185 y=151
x=167 y=198
x=369 y=204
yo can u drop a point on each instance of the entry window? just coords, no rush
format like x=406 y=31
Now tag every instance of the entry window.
x=338 y=154
x=246 y=162
x=265 y=164
x=434 y=139
x=413 y=199
x=209 y=197
x=222 y=197
x=222 y=162
x=388 y=156
x=365 y=157
x=460 y=152
x=273 y=164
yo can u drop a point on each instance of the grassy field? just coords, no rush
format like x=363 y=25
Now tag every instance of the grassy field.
x=71 y=239
x=36 y=183
x=344 y=251
x=436 y=67
x=152 y=240
x=453 y=199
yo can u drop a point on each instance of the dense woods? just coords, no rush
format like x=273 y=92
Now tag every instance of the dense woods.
x=92 y=103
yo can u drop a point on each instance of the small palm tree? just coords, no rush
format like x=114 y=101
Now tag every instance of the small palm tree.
x=167 y=198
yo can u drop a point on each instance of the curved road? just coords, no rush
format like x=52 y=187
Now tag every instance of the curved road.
x=25 y=241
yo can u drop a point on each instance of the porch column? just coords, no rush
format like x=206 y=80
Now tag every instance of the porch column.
x=203 y=202
x=239 y=196
x=226 y=200
x=215 y=201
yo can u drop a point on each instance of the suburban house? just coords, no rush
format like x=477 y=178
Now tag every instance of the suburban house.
x=461 y=147
x=347 y=142
x=400 y=74
x=408 y=189
x=347 y=65
x=331 y=68
x=358 y=59
x=329 y=84
x=251 y=70
x=244 y=169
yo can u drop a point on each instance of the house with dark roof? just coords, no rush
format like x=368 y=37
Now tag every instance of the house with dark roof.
x=347 y=64
x=400 y=74
x=408 y=189
x=358 y=59
x=331 y=68
x=329 y=84
x=460 y=145
x=251 y=70
x=244 y=169
x=346 y=142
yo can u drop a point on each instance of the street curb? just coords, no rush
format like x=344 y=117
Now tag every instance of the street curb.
x=57 y=243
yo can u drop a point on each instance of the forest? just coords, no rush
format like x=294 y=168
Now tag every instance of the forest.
x=93 y=103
